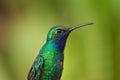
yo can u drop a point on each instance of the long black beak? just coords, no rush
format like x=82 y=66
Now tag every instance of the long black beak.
x=78 y=26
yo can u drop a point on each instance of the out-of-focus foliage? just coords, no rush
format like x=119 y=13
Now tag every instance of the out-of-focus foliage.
x=91 y=53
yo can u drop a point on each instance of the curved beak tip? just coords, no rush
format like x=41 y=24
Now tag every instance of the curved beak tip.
x=78 y=26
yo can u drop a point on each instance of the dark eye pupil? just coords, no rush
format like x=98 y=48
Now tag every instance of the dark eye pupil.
x=59 y=31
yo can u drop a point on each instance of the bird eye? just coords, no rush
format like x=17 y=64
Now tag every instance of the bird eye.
x=59 y=31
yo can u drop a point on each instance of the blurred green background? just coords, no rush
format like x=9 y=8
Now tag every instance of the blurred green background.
x=91 y=53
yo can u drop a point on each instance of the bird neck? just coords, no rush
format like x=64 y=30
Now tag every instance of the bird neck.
x=57 y=44
x=60 y=44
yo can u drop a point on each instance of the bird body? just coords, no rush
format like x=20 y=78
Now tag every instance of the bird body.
x=53 y=62
x=48 y=65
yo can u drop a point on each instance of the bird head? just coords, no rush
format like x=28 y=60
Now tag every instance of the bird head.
x=57 y=33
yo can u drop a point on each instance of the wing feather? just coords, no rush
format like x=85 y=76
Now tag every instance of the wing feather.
x=36 y=69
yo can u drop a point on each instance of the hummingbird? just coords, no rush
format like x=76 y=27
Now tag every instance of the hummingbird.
x=48 y=65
